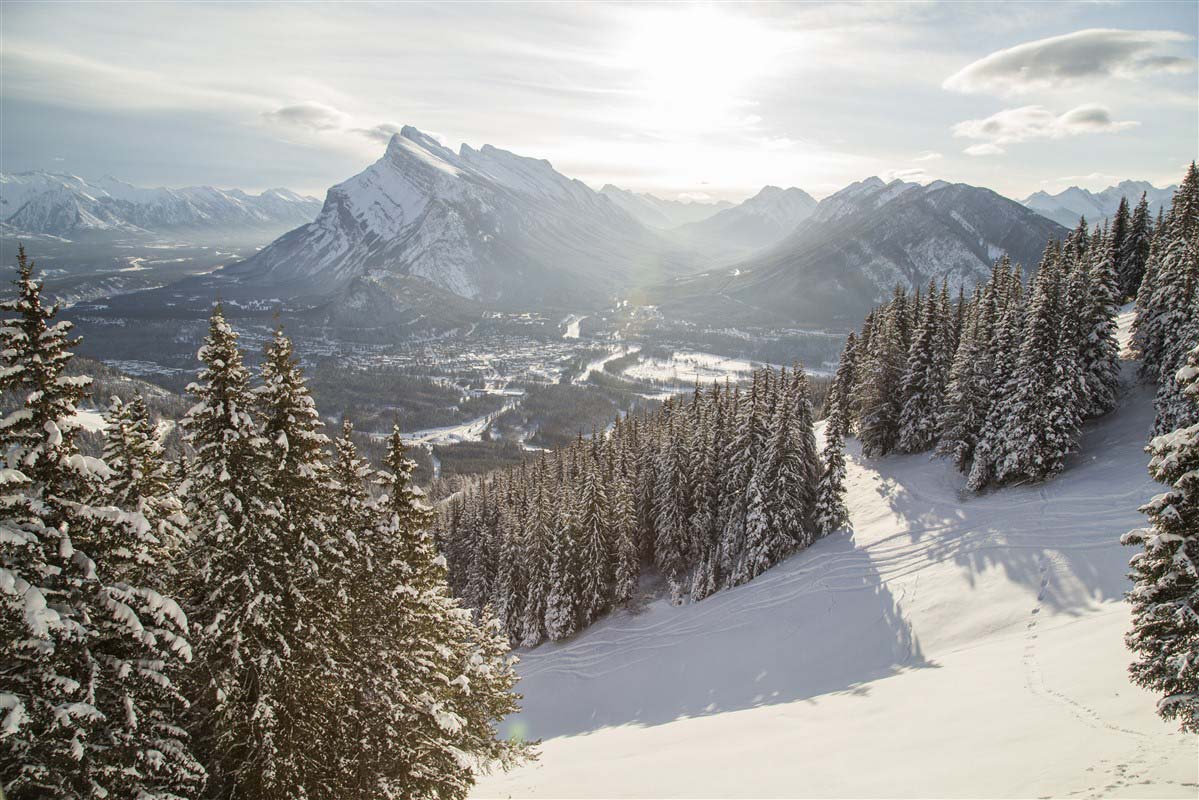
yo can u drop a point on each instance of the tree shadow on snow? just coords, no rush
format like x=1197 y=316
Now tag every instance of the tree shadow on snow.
x=1060 y=539
x=821 y=622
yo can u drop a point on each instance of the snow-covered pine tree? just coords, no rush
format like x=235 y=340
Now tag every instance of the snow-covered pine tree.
x=1041 y=428
x=1134 y=251
x=707 y=483
x=1174 y=306
x=775 y=523
x=881 y=379
x=1166 y=297
x=806 y=454
x=844 y=384
x=455 y=677
x=562 y=596
x=90 y=702
x=511 y=588
x=1003 y=354
x=598 y=573
x=624 y=529
x=739 y=462
x=1165 y=574
x=538 y=557
x=141 y=480
x=967 y=393
x=1099 y=352
x=240 y=582
x=924 y=380
x=297 y=474
x=831 y=513
x=672 y=515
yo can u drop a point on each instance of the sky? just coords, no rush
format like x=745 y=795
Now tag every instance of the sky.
x=699 y=101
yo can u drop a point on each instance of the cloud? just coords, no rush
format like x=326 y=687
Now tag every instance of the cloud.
x=984 y=150
x=1073 y=58
x=928 y=155
x=916 y=175
x=1026 y=123
x=310 y=115
x=379 y=133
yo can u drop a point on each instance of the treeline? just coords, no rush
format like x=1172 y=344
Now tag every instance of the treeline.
x=708 y=493
x=1000 y=382
x=266 y=617
x=1165 y=571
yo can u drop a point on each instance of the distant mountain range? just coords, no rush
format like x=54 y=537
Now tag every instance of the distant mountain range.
x=655 y=212
x=1068 y=205
x=857 y=245
x=760 y=221
x=70 y=206
x=429 y=232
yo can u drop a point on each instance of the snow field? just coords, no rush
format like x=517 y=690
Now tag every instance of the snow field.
x=952 y=646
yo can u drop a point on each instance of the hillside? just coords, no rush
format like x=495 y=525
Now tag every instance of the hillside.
x=857 y=245
x=949 y=643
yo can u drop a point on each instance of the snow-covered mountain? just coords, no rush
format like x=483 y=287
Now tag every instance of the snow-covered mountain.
x=67 y=205
x=858 y=244
x=945 y=646
x=758 y=222
x=1068 y=205
x=485 y=225
x=655 y=212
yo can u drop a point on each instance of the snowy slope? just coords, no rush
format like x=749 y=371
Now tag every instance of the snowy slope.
x=1068 y=205
x=952 y=646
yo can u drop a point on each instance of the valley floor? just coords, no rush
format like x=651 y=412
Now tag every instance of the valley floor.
x=952 y=646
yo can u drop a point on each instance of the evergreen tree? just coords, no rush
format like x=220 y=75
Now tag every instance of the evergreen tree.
x=453 y=678
x=141 y=481
x=1134 y=251
x=1165 y=575
x=1040 y=430
x=967 y=394
x=1099 y=351
x=924 y=381
x=1167 y=299
x=627 y=557
x=881 y=380
x=241 y=581
x=1004 y=351
x=831 y=513
x=90 y=704
x=596 y=540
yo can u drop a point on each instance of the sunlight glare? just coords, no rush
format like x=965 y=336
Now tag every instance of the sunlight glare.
x=697 y=65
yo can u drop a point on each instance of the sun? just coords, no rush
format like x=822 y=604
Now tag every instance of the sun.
x=697 y=65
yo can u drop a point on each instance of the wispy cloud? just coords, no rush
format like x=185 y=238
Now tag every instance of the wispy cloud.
x=309 y=114
x=1014 y=125
x=1079 y=57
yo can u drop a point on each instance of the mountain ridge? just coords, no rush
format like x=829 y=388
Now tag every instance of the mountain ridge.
x=62 y=204
x=1072 y=203
x=858 y=244
x=486 y=225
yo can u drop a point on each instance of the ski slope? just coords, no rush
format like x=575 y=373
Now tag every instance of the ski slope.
x=952 y=646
